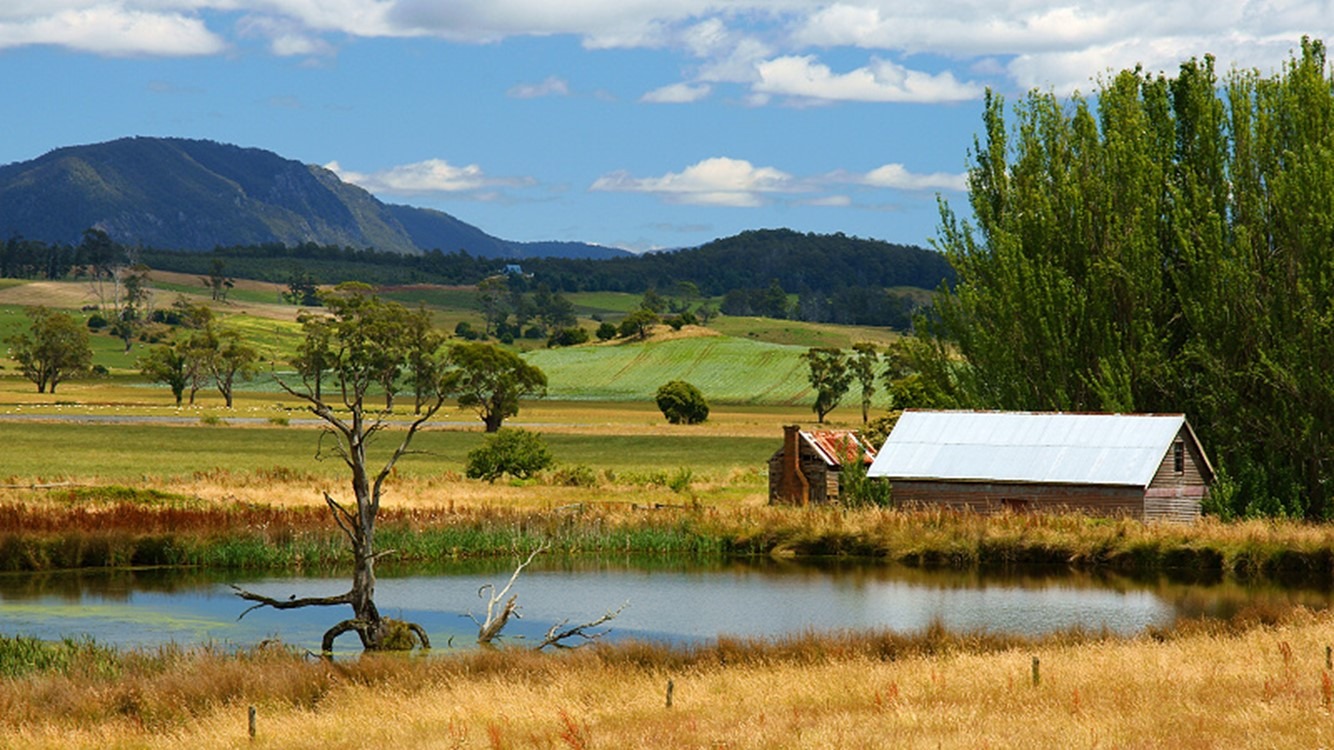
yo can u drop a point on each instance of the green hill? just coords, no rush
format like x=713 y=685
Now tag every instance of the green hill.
x=725 y=369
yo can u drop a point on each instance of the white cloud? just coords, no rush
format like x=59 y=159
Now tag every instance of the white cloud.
x=424 y=177
x=881 y=81
x=898 y=177
x=719 y=181
x=678 y=93
x=832 y=201
x=552 y=86
x=108 y=29
x=772 y=45
x=286 y=38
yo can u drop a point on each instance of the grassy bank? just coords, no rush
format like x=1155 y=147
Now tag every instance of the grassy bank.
x=1258 y=681
x=116 y=526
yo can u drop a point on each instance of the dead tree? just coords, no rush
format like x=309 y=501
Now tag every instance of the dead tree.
x=359 y=342
x=489 y=630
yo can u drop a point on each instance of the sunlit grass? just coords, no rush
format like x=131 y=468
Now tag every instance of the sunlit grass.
x=1258 y=681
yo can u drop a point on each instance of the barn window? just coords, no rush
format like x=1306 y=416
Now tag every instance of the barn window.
x=1179 y=457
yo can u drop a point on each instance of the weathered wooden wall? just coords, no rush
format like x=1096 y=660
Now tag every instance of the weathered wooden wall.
x=994 y=497
x=1177 y=496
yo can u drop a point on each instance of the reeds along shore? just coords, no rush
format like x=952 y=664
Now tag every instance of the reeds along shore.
x=118 y=526
x=1259 y=680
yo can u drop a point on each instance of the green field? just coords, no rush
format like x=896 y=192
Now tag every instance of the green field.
x=755 y=361
x=725 y=369
x=138 y=451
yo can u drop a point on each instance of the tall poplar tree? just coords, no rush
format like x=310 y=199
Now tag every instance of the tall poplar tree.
x=1167 y=245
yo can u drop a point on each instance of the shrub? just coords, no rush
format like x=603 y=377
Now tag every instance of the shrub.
x=568 y=337
x=682 y=403
x=97 y=321
x=516 y=452
x=680 y=481
x=464 y=330
x=859 y=490
x=606 y=331
x=575 y=476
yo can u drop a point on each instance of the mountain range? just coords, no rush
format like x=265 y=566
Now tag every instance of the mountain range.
x=183 y=194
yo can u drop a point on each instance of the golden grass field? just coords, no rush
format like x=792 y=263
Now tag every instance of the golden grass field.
x=1263 y=686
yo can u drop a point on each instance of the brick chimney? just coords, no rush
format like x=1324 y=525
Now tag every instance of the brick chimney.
x=793 y=487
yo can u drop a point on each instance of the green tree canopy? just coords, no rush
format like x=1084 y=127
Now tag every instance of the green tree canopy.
x=638 y=323
x=829 y=376
x=55 y=348
x=491 y=381
x=169 y=365
x=682 y=403
x=516 y=452
x=1167 y=248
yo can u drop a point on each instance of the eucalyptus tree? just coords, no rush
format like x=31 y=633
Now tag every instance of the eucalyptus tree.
x=228 y=358
x=356 y=336
x=830 y=377
x=863 y=365
x=54 y=348
x=490 y=380
x=169 y=365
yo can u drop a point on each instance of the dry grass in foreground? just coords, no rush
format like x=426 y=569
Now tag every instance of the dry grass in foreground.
x=1203 y=687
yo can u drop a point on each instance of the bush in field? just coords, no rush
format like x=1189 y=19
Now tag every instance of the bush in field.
x=580 y=475
x=606 y=331
x=682 y=403
x=516 y=452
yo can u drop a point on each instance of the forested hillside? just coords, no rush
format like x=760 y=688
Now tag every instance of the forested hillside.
x=799 y=262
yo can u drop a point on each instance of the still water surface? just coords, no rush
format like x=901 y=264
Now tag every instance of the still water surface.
x=679 y=603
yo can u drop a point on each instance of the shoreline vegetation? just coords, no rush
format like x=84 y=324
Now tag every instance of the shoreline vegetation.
x=119 y=526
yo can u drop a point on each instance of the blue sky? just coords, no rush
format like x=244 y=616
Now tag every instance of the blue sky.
x=628 y=123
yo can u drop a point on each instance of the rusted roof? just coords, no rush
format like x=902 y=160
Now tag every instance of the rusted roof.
x=836 y=446
x=1029 y=447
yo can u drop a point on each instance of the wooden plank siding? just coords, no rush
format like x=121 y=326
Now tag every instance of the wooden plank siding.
x=1173 y=495
x=996 y=497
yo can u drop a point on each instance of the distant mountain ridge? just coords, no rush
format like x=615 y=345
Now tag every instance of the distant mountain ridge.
x=184 y=194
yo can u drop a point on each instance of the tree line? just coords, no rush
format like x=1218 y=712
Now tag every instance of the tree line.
x=1166 y=245
x=774 y=273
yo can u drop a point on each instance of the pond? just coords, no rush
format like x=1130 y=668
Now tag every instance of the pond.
x=678 y=603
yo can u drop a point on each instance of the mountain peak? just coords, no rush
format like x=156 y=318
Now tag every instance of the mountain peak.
x=187 y=194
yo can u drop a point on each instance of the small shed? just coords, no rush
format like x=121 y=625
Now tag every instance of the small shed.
x=1146 y=466
x=809 y=466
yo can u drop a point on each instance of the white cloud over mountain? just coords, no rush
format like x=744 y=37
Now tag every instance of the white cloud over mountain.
x=719 y=181
x=425 y=177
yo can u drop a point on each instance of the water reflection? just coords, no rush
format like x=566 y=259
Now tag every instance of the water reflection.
x=673 y=600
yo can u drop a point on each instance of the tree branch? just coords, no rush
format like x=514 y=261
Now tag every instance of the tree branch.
x=555 y=636
x=291 y=603
x=346 y=521
x=495 y=622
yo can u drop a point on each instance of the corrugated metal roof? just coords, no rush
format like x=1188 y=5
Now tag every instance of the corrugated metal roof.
x=833 y=445
x=1029 y=447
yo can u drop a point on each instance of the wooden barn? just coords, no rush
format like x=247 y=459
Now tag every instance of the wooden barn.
x=809 y=466
x=1144 y=466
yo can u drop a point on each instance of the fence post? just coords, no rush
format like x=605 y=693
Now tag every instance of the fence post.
x=1037 y=675
x=670 y=687
x=252 y=722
